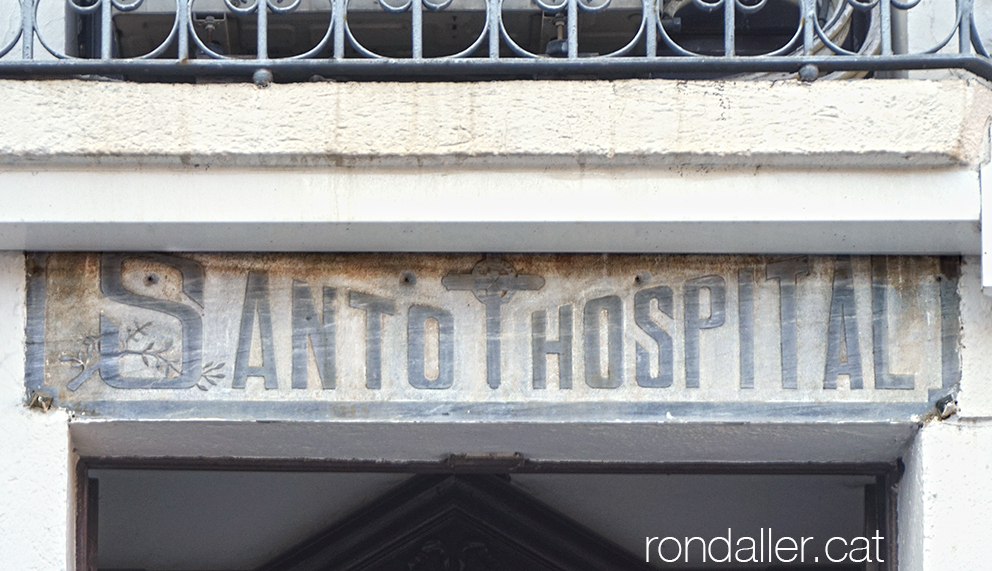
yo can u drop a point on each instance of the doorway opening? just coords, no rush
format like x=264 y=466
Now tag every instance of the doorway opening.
x=169 y=515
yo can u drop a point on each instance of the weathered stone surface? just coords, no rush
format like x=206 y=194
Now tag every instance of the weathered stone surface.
x=890 y=123
x=518 y=336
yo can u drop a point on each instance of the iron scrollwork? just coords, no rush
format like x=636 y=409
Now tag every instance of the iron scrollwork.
x=716 y=37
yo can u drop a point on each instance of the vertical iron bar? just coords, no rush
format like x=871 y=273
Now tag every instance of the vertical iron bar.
x=493 y=7
x=337 y=19
x=900 y=34
x=729 y=41
x=182 y=13
x=650 y=8
x=417 y=28
x=885 y=21
x=809 y=12
x=106 y=19
x=900 y=41
x=573 y=28
x=965 y=10
x=27 y=29
x=262 y=35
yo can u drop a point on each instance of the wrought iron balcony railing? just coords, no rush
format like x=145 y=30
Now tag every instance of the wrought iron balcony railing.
x=475 y=39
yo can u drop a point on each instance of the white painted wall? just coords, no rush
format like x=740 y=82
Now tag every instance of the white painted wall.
x=444 y=209
x=975 y=397
x=931 y=22
x=946 y=498
x=928 y=24
x=36 y=502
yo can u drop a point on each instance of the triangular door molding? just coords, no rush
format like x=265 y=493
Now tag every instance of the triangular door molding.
x=456 y=523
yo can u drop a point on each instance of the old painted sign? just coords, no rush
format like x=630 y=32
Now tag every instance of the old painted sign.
x=514 y=336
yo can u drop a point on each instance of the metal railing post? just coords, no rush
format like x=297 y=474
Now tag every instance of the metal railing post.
x=650 y=8
x=262 y=35
x=808 y=8
x=417 y=28
x=338 y=23
x=885 y=23
x=965 y=14
x=572 y=24
x=182 y=45
x=27 y=29
x=729 y=38
x=493 y=6
x=106 y=29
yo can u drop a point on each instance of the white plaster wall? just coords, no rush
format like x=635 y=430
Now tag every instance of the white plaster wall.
x=975 y=396
x=945 y=502
x=983 y=21
x=35 y=499
x=928 y=24
x=910 y=509
x=931 y=22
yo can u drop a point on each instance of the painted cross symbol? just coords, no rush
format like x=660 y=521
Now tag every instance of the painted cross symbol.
x=493 y=281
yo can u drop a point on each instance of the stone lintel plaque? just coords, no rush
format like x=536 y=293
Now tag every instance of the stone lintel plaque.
x=488 y=337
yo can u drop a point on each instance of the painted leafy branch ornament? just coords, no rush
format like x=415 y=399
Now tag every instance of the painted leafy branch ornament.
x=139 y=341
